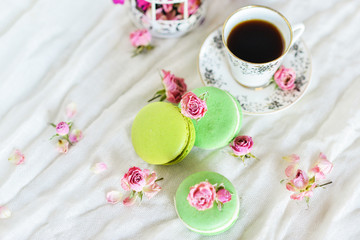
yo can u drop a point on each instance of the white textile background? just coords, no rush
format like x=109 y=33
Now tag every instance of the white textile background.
x=56 y=52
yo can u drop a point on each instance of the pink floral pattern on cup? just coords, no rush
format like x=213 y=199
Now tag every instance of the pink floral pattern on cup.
x=192 y=106
x=285 y=78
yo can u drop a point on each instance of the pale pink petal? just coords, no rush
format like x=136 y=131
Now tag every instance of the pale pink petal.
x=71 y=110
x=130 y=201
x=151 y=190
x=62 y=146
x=308 y=194
x=125 y=184
x=98 y=167
x=291 y=170
x=293 y=158
x=297 y=196
x=325 y=165
x=290 y=187
x=151 y=178
x=113 y=197
x=75 y=136
x=4 y=212
x=16 y=157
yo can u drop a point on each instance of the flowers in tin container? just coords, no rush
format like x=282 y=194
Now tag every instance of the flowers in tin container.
x=139 y=182
x=141 y=40
x=285 y=78
x=193 y=106
x=302 y=183
x=174 y=88
x=203 y=195
x=242 y=146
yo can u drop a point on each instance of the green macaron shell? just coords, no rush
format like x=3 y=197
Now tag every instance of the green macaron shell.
x=161 y=134
x=222 y=121
x=210 y=221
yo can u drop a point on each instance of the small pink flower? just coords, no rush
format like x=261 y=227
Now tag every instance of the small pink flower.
x=298 y=196
x=301 y=180
x=143 y=4
x=75 y=135
x=322 y=167
x=223 y=195
x=242 y=145
x=175 y=87
x=113 y=197
x=98 y=167
x=16 y=157
x=62 y=128
x=285 y=78
x=118 y=1
x=202 y=196
x=134 y=179
x=151 y=190
x=193 y=6
x=4 y=212
x=140 y=37
x=192 y=106
x=62 y=146
x=71 y=110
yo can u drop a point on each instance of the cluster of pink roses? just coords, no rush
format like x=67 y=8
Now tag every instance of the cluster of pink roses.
x=139 y=182
x=203 y=195
x=242 y=146
x=63 y=131
x=302 y=183
x=285 y=78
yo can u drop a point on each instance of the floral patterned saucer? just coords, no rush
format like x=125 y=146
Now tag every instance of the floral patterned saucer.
x=214 y=71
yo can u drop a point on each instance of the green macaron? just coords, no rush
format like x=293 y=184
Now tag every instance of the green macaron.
x=222 y=121
x=212 y=220
x=161 y=134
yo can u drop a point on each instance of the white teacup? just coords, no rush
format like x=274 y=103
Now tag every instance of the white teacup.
x=255 y=75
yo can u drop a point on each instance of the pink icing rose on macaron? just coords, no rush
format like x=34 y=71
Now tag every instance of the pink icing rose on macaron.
x=223 y=195
x=285 y=78
x=62 y=128
x=242 y=145
x=175 y=87
x=202 y=196
x=192 y=106
x=134 y=179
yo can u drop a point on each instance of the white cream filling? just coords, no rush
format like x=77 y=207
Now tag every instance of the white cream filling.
x=224 y=227
x=237 y=114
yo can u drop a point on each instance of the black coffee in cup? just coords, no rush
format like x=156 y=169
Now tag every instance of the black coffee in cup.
x=256 y=41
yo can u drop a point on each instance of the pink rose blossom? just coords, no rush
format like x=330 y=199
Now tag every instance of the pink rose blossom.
x=322 y=167
x=4 y=212
x=98 y=167
x=130 y=201
x=167 y=7
x=175 y=87
x=285 y=78
x=75 y=135
x=192 y=106
x=62 y=128
x=62 y=146
x=140 y=37
x=118 y=1
x=113 y=197
x=193 y=6
x=143 y=4
x=71 y=110
x=202 y=196
x=134 y=179
x=17 y=157
x=223 y=195
x=242 y=145
x=301 y=180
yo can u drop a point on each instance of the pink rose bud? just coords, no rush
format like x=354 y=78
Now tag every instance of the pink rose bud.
x=202 y=196
x=192 y=106
x=301 y=180
x=242 y=145
x=223 y=195
x=140 y=37
x=285 y=78
x=16 y=157
x=62 y=128
x=75 y=135
x=62 y=146
x=134 y=179
x=175 y=87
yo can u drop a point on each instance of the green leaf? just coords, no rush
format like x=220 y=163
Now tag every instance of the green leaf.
x=312 y=180
x=140 y=194
x=53 y=125
x=160 y=92
x=163 y=97
x=159 y=179
x=132 y=194
x=149 y=47
x=56 y=135
x=282 y=181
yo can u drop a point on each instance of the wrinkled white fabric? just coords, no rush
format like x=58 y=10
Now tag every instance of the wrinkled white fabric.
x=56 y=52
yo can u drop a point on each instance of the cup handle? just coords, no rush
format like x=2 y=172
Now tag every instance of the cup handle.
x=298 y=30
